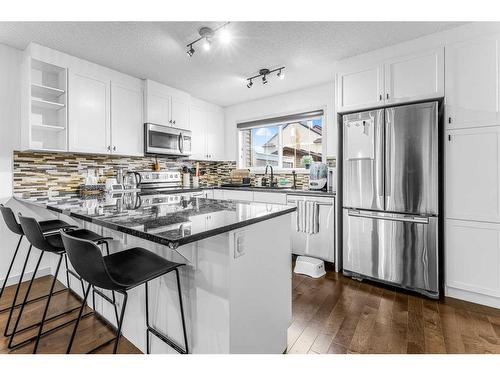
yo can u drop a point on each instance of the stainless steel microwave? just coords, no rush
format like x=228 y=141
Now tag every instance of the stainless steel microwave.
x=166 y=140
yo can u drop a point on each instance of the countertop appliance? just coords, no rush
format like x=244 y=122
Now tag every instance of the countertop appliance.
x=390 y=196
x=166 y=140
x=318 y=176
x=322 y=243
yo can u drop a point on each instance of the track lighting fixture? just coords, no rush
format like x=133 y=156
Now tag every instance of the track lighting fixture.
x=264 y=73
x=207 y=35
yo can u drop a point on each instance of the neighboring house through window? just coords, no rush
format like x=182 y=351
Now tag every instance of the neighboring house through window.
x=281 y=142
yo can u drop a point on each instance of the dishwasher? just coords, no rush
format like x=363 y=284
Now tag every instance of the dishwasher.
x=321 y=244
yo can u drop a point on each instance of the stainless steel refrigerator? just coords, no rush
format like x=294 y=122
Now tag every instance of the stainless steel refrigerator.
x=391 y=196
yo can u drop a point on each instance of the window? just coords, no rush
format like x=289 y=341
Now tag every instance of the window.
x=284 y=144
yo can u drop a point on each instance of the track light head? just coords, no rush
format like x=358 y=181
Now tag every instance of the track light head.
x=190 y=51
x=264 y=79
x=249 y=84
x=207 y=44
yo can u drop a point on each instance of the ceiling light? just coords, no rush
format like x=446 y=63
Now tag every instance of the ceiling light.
x=264 y=73
x=206 y=44
x=225 y=36
x=207 y=35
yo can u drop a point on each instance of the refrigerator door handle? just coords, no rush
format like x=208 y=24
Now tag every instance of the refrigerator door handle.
x=380 y=156
x=389 y=120
x=376 y=215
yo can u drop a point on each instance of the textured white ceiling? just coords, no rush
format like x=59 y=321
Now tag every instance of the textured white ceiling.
x=156 y=50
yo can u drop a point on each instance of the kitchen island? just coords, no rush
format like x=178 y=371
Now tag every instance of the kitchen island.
x=236 y=284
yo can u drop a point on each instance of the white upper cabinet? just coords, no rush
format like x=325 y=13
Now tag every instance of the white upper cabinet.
x=127 y=130
x=89 y=118
x=207 y=131
x=415 y=77
x=473 y=174
x=401 y=79
x=472 y=83
x=165 y=105
x=361 y=88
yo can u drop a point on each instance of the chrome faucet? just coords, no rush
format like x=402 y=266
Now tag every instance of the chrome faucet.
x=271 y=182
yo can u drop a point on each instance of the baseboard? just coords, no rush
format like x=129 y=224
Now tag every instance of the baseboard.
x=478 y=298
x=15 y=279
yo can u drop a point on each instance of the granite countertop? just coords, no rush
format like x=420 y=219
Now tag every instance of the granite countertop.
x=289 y=191
x=167 y=219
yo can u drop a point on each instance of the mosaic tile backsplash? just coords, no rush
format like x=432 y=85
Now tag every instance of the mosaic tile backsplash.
x=43 y=173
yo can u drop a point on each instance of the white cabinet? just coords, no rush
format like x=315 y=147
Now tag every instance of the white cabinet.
x=397 y=80
x=127 y=131
x=89 y=116
x=165 y=105
x=472 y=82
x=207 y=132
x=473 y=256
x=473 y=174
x=361 y=88
x=237 y=195
x=265 y=197
x=414 y=77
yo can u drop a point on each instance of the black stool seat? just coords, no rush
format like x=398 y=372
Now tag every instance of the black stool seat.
x=136 y=266
x=88 y=235
x=54 y=225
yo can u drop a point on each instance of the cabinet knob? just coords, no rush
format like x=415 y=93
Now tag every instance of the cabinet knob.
x=387 y=95
x=114 y=148
x=449 y=120
x=109 y=148
x=380 y=97
x=174 y=121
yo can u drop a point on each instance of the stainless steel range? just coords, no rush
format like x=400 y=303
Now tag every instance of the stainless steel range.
x=159 y=181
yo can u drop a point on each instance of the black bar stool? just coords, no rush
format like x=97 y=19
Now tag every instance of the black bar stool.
x=51 y=243
x=121 y=272
x=47 y=226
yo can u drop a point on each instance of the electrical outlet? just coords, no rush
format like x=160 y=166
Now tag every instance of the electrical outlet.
x=239 y=244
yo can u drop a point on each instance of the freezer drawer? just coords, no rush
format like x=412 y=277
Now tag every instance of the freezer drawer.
x=364 y=160
x=397 y=249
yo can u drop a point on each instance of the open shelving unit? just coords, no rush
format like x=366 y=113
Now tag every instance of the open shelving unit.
x=47 y=85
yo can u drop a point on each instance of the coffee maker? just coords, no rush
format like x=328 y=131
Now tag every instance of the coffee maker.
x=318 y=176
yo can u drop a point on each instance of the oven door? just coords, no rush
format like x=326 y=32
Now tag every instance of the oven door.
x=163 y=140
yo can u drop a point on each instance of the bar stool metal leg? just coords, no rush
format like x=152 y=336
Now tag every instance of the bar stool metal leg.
x=68 y=350
x=161 y=336
x=10 y=269
x=120 y=324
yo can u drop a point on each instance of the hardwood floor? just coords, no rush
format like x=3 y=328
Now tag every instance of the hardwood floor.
x=332 y=314
x=335 y=314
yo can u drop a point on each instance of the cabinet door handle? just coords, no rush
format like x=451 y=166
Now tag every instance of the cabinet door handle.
x=387 y=96
x=114 y=148
x=449 y=120
x=109 y=148
x=174 y=122
x=380 y=97
x=449 y=137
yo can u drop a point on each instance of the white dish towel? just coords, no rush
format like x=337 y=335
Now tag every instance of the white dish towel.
x=307 y=217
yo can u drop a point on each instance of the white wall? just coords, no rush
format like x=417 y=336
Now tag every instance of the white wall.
x=316 y=97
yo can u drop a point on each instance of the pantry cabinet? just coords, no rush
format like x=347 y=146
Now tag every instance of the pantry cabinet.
x=472 y=81
x=473 y=174
x=473 y=259
x=165 y=105
x=401 y=79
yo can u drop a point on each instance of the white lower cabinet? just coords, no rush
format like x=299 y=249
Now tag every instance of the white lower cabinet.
x=264 y=197
x=473 y=174
x=238 y=195
x=473 y=256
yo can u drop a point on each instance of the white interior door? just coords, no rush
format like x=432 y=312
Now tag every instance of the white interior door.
x=88 y=113
x=472 y=83
x=362 y=88
x=127 y=130
x=415 y=77
x=473 y=174
x=473 y=256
